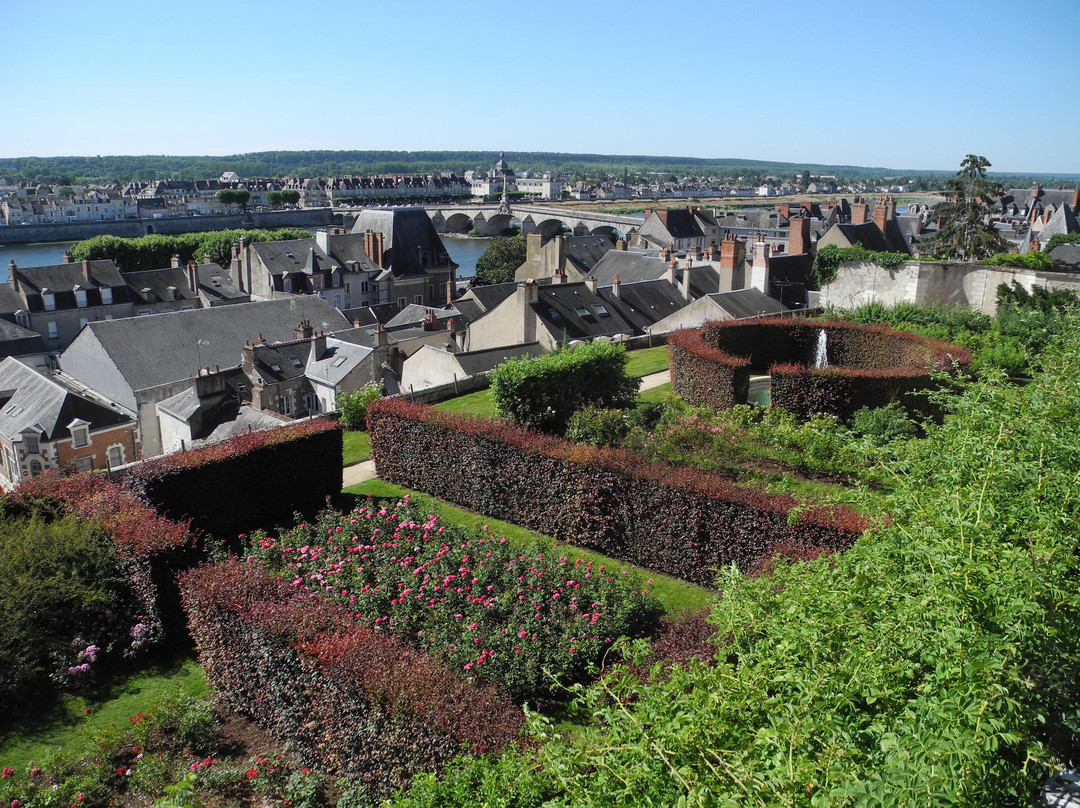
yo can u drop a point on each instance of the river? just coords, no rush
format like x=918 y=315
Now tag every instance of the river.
x=463 y=251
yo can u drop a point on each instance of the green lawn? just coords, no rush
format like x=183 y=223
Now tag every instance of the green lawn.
x=68 y=725
x=357 y=447
x=673 y=594
x=480 y=404
x=657 y=394
x=647 y=360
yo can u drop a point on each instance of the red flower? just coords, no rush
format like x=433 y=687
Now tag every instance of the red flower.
x=252 y=773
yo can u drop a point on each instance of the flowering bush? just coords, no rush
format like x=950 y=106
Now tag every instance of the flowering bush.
x=526 y=618
x=356 y=702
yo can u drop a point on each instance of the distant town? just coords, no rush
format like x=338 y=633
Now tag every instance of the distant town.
x=105 y=364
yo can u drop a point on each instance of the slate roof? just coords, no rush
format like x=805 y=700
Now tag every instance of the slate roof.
x=474 y=362
x=154 y=285
x=372 y=315
x=18 y=341
x=680 y=223
x=644 y=302
x=869 y=236
x=1066 y=256
x=584 y=251
x=404 y=231
x=31 y=400
x=217 y=286
x=571 y=308
x=413 y=315
x=629 y=266
x=743 y=303
x=163 y=348
x=1062 y=221
x=488 y=297
x=338 y=360
x=287 y=257
x=61 y=280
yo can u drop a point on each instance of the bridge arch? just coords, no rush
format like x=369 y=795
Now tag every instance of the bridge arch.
x=456 y=223
x=607 y=230
x=494 y=226
x=550 y=227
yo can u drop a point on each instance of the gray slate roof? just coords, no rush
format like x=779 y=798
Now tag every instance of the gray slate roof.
x=473 y=362
x=643 y=303
x=629 y=266
x=163 y=348
x=61 y=280
x=158 y=282
x=571 y=308
x=407 y=234
x=338 y=360
x=743 y=303
x=31 y=400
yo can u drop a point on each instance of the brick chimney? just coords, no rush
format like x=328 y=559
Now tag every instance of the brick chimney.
x=559 y=277
x=881 y=213
x=69 y=257
x=732 y=252
x=859 y=213
x=431 y=322
x=86 y=271
x=616 y=287
x=449 y=292
x=302 y=331
x=1035 y=246
x=799 y=236
x=1076 y=198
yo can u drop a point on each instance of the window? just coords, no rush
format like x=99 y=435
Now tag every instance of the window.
x=601 y=310
x=582 y=311
x=80 y=437
x=285 y=405
x=84 y=464
x=116 y=456
x=49 y=299
x=54 y=330
x=80 y=297
x=297 y=363
x=401 y=302
x=311 y=402
x=35 y=468
x=418 y=300
x=31 y=444
x=13 y=467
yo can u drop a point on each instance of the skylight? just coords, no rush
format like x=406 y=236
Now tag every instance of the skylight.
x=602 y=310
x=338 y=362
x=296 y=363
x=582 y=311
x=276 y=368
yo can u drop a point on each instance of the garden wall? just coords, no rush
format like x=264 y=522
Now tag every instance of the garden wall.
x=352 y=702
x=867 y=365
x=255 y=480
x=678 y=521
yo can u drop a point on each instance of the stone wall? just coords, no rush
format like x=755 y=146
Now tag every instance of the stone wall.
x=172 y=225
x=926 y=283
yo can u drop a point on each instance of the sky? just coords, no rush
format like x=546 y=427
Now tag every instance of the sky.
x=907 y=85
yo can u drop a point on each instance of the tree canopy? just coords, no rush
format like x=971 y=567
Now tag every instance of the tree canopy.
x=500 y=261
x=964 y=233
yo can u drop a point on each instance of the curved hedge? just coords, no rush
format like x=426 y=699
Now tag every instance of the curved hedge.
x=868 y=366
x=680 y=521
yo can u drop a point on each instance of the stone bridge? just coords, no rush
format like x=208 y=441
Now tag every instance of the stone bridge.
x=549 y=220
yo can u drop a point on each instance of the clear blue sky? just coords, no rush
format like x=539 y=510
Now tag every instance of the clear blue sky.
x=915 y=84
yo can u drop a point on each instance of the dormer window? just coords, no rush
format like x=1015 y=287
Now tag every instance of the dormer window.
x=80 y=436
x=106 y=295
x=80 y=297
x=30 y=443
x=48 y=299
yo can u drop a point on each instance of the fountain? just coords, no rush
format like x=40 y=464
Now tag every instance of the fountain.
x=821 y=353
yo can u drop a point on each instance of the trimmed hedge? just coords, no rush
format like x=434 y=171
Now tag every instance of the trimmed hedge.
x=253 y=480
x=679 y=521
x=868 y=366
x=354 y=703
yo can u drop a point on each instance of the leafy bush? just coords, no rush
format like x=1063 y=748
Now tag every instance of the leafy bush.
x=598 y=427
x=66 y=609
x=828 y=260
x=1038 y=261
x=353 y=406
x=156 y=251
x=543 y=392
x=524 y=618
x=500 y=260
x=883 y=424
x=1058 y=239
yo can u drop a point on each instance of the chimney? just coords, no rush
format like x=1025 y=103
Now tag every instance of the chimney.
x=13 y=274
x=378 y=244
x=318 y=348
x=431 y=322
x=382 y=336
x=1035 y=246
x=616 y=287
x=69 y=257
x=648 y=213
x=533 y=243
x=685 y=288
x=192 y=276
x=859 y=213
x=559 y=277
x=732 y=252
x=322 y=239
x=799 y=236
x=881 y=214
x=759 y=270
x=207 y=258
x=302 y=331
x=449 y=292
x=247 y=359
x=86 y=271
x=670 y=276
x=620 y=242
x=1076 y=198
x=174 y=262
x=590 y=284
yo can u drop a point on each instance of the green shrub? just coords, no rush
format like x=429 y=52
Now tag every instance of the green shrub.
x=66 y=608
x=543 y=392
x=883 y=424
x=354 y=406
x=1034 y=260
x=597 y=427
